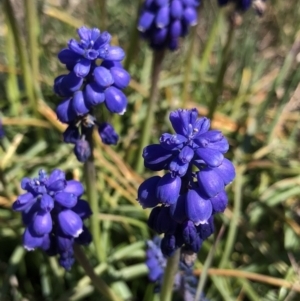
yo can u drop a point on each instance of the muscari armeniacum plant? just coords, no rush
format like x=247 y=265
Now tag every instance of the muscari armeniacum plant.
x=95 y=76
x=53 y=213
x=163 y=22
x=244 y=5
x=192 y=190
x=185 y=281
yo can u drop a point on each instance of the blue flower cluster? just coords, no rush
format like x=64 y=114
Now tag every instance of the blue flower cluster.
x=163 y=22
x=95 y=76
x=243 y=5
x=193 y=189
x=53 y=214
x=185 y=281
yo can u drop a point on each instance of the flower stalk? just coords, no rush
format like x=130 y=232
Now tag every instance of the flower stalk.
x=158 y=57
x=99 y=284
x=220 y=78
x=90 y=182
x=168 y=280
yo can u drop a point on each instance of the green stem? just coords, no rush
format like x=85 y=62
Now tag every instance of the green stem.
x=12 y=89
x=169 y=275
x=158 y=57
x=99 y=284
x=220 y=79
x=211 y=41
x=187 y=70
x=207 y=264
x=134 y=39
x=102 y=13
x=90 y=182
x=233 y=228
x=26 y=72
x=33 y=32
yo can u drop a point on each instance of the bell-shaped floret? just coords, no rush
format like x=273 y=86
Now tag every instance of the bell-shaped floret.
x=29 y=213
x=176 y=9
x=175 y=29
x=66 y=199
x=56 y=181
x=82 y=68
x=164 y=222
x=71 y=83
x=210 y=182
x=23 y=202
x=46 y=202
x=219 y=202
x=177 y=168
x=172 y=142
x=108 y=134
x=227 y=171
x=186 y=155
x=206 y=230
x=146 y=20
x=83 y=209
x=64 y=242
x=113 y=53
x=74 y=187
x=42 y=223
x=168 y=188
x=82 y=150
x=102 y=40
x=198 y=210
x=156 y=157
x=147 y=192
x=190 y=237
x=65 y=112
x=30 y=240
x=211 y=157
x=177 y=210
x=183 y=121
x=67 y=56
x=190 y=16
x=66 y=261
x=93 y=94
x=115 y=100
x=103 y=77
x=159 y=36
x=71 y=134
x=121 y=77
x=70 y=223
x=163 y=17
x=168 y=245
x=78 y=104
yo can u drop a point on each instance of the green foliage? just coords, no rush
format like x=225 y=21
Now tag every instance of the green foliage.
x=247 y=77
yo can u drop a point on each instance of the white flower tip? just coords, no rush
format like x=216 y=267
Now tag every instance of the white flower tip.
x=78 y=232
x=29 y=248
x=141 y=28
x=122 y=113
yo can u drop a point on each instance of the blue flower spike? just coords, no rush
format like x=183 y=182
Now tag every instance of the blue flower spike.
x=162 y=23
x=95 y=76
x=53 y=214
x=192 y=190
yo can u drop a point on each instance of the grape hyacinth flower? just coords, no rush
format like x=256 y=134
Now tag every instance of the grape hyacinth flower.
x=162 y=23
x=95 y=76
x=244 y=5
x=186 y=198
x=53 y=213
x=185 y=282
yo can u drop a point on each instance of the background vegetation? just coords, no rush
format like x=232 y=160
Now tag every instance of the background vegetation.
x=250 y=72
